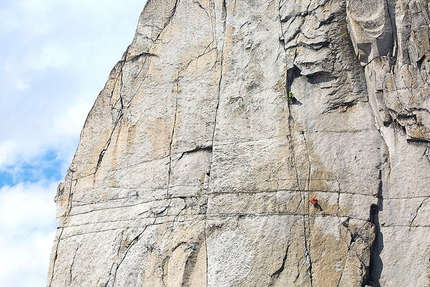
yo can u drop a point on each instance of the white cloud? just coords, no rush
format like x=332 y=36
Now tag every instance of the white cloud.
x=27 y=206
x=27 y=226
x=52 y=56
x=6 y=149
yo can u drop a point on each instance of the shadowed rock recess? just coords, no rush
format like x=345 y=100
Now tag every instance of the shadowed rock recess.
x=195 y=168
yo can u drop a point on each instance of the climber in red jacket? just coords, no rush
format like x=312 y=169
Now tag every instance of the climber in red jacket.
x=314 y=202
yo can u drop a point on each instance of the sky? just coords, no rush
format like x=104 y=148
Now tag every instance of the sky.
x=56 y=56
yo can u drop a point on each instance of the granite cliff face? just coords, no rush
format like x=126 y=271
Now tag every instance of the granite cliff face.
x=195 y=168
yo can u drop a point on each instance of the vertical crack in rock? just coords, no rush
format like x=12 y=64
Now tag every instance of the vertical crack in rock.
x=374 y=271
x=278 y=272
x=304 y=193
x=73 y=262
x=220 y=60
x=375 y=53
x=375 y=267
x=338 y=194
x=275 y=276
x=115 y=119
x=101 y=155
x=391 y=15
x=307 y=255
x=290 y=75
x=54 y=261
x=119 y=110
x=293 y=71
x=291 y=144
x=108 y=142
x=379 y=195
x=70 y=199
x=306 y=217
x=205 y=228
x=172 y=134
x=308 y=157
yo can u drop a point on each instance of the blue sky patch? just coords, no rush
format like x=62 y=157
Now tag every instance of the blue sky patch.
x=46 y=167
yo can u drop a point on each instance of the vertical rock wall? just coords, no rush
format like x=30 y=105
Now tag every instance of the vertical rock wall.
x=392 y=42
x=196 y=169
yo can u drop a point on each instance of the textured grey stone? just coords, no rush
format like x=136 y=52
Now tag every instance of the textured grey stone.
x=195 y=169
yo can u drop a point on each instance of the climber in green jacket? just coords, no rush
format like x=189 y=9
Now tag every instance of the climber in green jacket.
x=291 y=98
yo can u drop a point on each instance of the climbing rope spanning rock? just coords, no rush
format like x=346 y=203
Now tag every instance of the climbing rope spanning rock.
x=256 y=143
